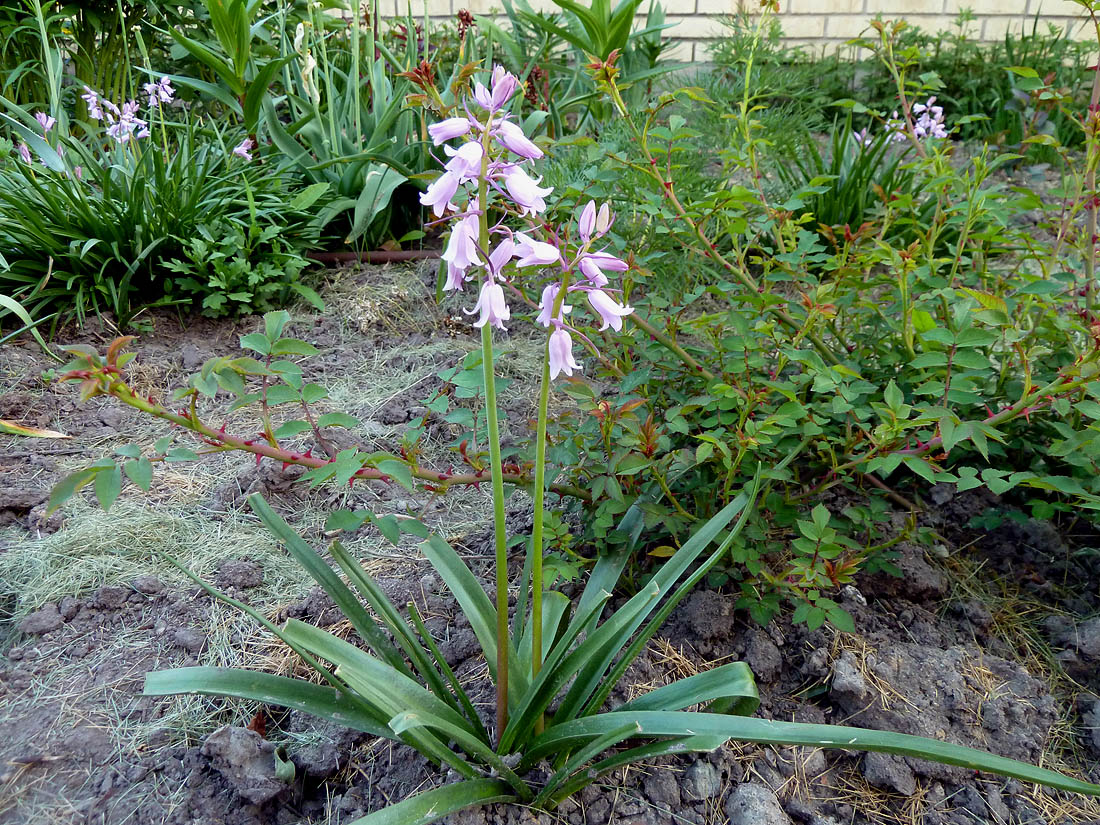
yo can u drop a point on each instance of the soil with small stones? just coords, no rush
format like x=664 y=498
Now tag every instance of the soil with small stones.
x=928 y=658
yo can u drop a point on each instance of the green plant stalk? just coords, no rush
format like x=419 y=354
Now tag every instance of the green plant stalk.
x=539 y=493
x=500 y=537
x=540 y=490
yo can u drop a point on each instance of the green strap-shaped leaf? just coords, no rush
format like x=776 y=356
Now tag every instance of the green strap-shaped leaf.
x=325 y=576
x=595 y=700
x=582 y=757
x=380 y=603
x=559 y=668
x=765 y=731
x=434 y=805
x=588 y=678
x=317 y=700
x=384 y=687
x=478 y=609
x=409 y=720
x=632 y=756
x=732 y=682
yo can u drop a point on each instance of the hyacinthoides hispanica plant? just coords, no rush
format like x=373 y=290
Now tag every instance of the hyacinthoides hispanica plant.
x=556 y=669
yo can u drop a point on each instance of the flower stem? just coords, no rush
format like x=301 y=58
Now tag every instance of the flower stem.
x=500 y=539
x=537 y=525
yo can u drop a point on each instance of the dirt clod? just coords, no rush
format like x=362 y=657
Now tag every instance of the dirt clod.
x=42 y=621
x=753 y=804
x=246 y=761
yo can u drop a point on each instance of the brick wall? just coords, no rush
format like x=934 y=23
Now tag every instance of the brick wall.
x=820 y=24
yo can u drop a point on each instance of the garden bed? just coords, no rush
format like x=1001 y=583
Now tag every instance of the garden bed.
x=985 y=641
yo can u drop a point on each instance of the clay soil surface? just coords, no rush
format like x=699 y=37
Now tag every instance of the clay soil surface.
x=991 y=639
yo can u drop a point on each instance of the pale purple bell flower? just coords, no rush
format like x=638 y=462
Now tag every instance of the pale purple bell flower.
x=449 y=129
x=525 y=191
x=461 y=248
x=512 y=138
x=610 y=310
x=45 y=121
x=535 y=253
x=561 y=353
x=439 y=193
x=244 y=149
x=546 y=306
x=465 y=161
x=491 y=306
x=587 y=222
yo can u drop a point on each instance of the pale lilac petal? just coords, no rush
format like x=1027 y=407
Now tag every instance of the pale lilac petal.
x=45 y=121
x=491 y=306
x=603 y=220
x=465 y=161
x=587 y=223
x=511 y=137
x=25 y=153
x=482 y=96
x=546 y=305
x=448 y=129
x=461 y=248
x=499 y=257
x=561 y=354
x=439 y=193
x=455 y=278
x=242 y=149
x=610 y=310
x=535 y=253
x=504 y=86
x=525 y=191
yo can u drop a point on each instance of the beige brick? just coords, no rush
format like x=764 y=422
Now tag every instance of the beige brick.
x=849 y=25
x=830 y=7
x=1053 y=8
x=803 y=25
x=710 y=6
x=680 y=50
x=695 y=27
x=893 y=9
x=436 y=8
x=480 y=6
x=981 y=8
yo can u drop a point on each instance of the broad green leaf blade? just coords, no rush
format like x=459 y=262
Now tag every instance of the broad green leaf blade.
x=632 y=756
x=384 y=687
x=595 y=702
x=372 y=594
x=68 y=487
x=765 y=731
x=408 y=720
x=582 y=757
x=431 y=806
x=317 y=700
x=325 y=576
x=30 y=325
x=560 y=668
x=732 y=682
x=378 y=187
x=477 y=608
x=588 y=678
